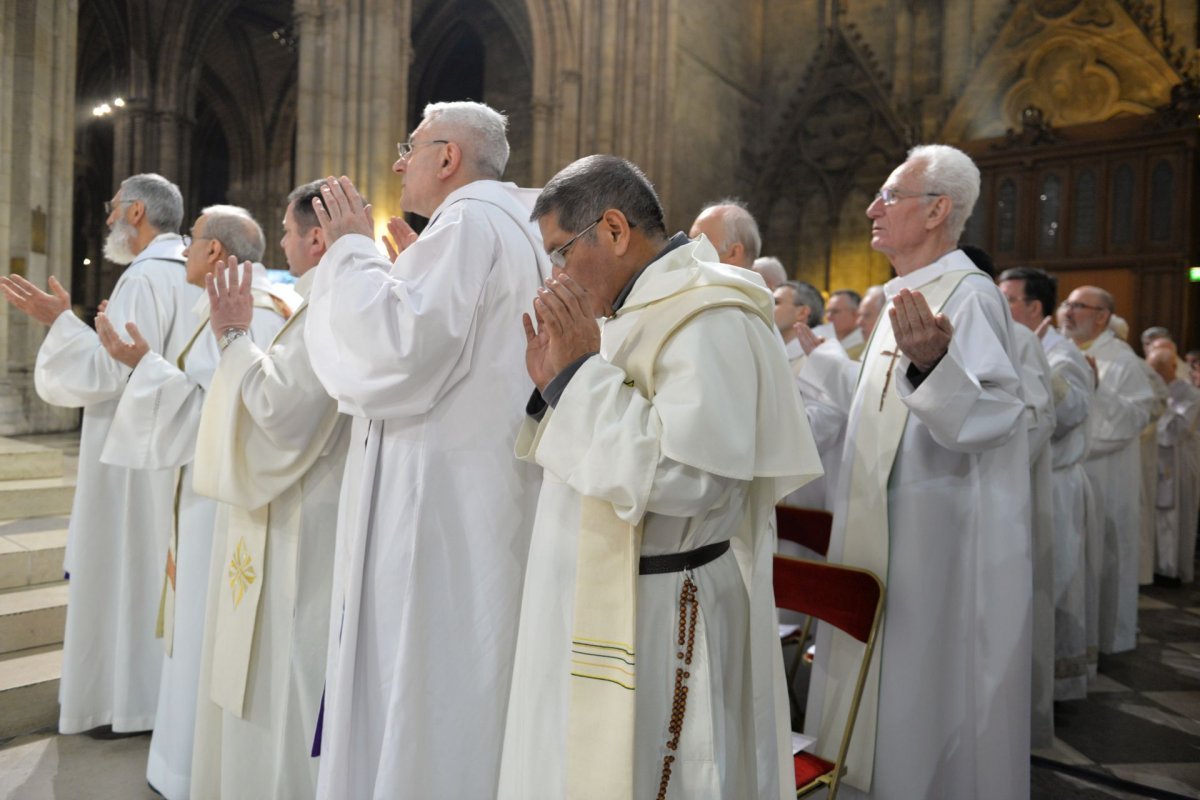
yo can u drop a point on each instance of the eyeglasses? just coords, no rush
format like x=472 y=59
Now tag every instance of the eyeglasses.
x=109 y=205
x=404 y=149
x=188 y=239
x=1068 y=306
x=558 y=256
x=892 y=196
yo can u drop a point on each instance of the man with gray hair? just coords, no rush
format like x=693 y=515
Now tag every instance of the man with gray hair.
x=111 y=663
x=426 y=356
x=155 y=426
x=771 y=270
x=1124 y=404
x=659 y=433
x=841 y=314
x=730 y=227
x=934 y=498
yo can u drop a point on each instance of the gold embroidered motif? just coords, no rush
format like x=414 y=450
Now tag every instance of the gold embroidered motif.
x=241 y=572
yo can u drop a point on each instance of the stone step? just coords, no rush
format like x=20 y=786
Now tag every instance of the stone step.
x=26 y=460
x=32 y=616
x=27 y=559
x=29 y=690
x=36 y=497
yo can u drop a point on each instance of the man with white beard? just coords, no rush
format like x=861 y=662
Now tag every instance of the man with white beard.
x=116 y=536
x=1123 y=405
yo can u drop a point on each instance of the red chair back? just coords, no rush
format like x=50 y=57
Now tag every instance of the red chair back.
x=842 y=596
x=805 y=526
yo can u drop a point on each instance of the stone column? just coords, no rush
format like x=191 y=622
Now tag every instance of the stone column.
x=37 y=144
x=352 y=95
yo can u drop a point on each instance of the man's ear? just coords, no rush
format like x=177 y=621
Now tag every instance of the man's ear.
x=939 y=210
x=451 y=160
x=136 y=212
x=316 y=241
x=736 y=251
x=616 y=229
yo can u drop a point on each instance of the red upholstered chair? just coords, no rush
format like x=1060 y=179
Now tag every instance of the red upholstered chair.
x=810 y=527
x=851 y=600
x=805 y=526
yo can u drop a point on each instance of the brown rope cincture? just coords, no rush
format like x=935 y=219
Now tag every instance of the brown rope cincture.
x=686 y=640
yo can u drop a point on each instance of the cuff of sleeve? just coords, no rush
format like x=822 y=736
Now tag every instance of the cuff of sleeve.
x=555 y=388
x=536 y=407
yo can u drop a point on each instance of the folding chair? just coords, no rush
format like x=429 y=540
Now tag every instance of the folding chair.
x=811 y=528
x=851 y=600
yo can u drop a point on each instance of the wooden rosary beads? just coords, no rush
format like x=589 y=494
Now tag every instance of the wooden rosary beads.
x=688 y=610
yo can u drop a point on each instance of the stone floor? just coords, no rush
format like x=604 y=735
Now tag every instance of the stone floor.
x=1136 y=735
x=1138 y=732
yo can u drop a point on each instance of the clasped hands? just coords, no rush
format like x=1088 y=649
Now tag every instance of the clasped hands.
x=566 y=329
x=921 y=336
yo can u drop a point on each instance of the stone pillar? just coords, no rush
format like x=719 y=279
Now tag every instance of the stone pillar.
x=352 y=95
x=37 y=144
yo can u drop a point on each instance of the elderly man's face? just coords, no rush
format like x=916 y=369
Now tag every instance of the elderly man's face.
x=1083 y=316
x=420 y=170
x=900 y=227
x=591 y=265
x=202 y=253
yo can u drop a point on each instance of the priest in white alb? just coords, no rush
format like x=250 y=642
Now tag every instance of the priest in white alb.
x=271 y=446
x=155 y=427
x=935 y=500
x=120 y=517
x=648 y=661
x=1032 y=296
x=1177 y=499
x=426 y=354
x=1124 y=404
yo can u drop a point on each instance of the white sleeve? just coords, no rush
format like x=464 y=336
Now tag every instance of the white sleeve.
x=389 y=341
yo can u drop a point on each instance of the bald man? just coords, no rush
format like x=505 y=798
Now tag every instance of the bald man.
x=1123 y=405
x=732 y=230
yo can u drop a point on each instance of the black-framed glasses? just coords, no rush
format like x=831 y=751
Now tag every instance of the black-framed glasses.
x=892 y=196
x=1073 y=306
x=558 y=256
x=404 y=149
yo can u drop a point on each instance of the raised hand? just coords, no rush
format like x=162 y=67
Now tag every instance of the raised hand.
x=33 y=302
x=341 y=210
x=128 y=353
x=229 y=298
x=920 y=335
x=402 y=235
x=566 y=329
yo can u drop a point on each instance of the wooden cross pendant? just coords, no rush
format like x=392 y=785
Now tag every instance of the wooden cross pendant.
x=887 y=381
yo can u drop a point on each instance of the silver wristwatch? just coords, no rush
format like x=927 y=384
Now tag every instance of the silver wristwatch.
x=229 y=336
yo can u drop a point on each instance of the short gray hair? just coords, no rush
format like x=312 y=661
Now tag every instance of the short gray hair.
x=236 y=230
x=584 y=189
x=805 y=294
x=740 y=226
x=1156 y=332
x=163 y=201
x=951 y=172
x=480 y=130
x=770 y=266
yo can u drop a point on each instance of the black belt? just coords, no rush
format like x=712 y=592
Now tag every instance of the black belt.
x=678 y=562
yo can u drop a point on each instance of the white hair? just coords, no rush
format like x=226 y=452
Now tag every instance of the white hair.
x=163 y=201
x=951 y=172
x=236 y=230
x=771 y=269
x=740 y=225
x=1119 y=327
x=479 y=130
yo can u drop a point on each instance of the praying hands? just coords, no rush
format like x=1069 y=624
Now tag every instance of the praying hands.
x=920 y=335
x=566 y=329
x=36 y=304
x=341 y=210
